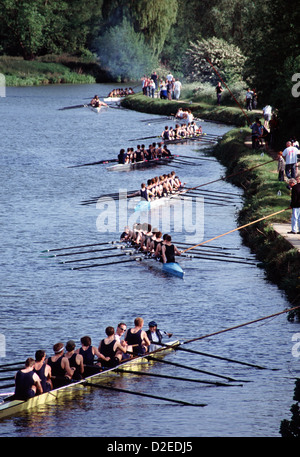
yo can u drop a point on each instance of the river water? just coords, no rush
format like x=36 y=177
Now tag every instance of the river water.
x=43 y=301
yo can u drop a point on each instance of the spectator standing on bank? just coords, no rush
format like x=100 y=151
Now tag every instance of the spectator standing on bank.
x=154 y=77
x=290 y=156
x=177 y=89
x=295 y=205
x=267 y=113
x=219 y=90
x=249 y=99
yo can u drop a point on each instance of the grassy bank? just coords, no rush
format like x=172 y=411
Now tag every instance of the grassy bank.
x=50 y=70
x=261 y=186
x=231 y=115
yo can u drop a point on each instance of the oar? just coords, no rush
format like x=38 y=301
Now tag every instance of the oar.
x=176 y=378
x=146 y=138
x=85 y=252
x=208 y=247
x=8 y=378
x=7 y=386
x=198 y=370
x=116 y=389
x=78 y=246
x=94 y=258
x=192 y=351
x=103 y=264
x=238 y=228
x=74 y=106
x=241 y=325
x=94 y=163
x=222 y=260
x=12 y=364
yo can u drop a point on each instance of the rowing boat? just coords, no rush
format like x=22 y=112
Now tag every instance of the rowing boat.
x=171 y=268
x=191 y=138
x=113 y=99
x=13 y=407
x=142 y=164
x=147 y=205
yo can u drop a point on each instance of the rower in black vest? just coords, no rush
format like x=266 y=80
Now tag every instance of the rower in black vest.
x=60 y=367
x=137 y=338
x=27 y=382
x=75 y=360
x=169 y=250
x=88 y=353
x=111 y=348
x=43 y=370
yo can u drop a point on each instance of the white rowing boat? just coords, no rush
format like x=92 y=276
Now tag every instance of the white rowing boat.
x=113 y=99
x=142 y=164
x=13 y=407
x=147 y=205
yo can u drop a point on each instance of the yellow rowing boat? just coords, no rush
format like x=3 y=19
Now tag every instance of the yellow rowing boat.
x=14 y=407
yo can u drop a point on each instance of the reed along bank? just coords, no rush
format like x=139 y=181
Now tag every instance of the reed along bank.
x=255 y=171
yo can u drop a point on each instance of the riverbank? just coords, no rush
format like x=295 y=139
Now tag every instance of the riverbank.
x=230 y=115
x=50 y=70
x=264 y=194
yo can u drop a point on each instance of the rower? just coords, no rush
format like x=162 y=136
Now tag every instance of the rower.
x=166 y=133
x=88 y=353
x=27 y=382
x=95 y=102
x=155 y=241
x=111 y=348
x=137 y=338
x=155 y=336
x=75 y=360
x=60 y=368
x=126 y=235
x=43 y=370
x=145 y=192
x=122 y=157
x=169 y=250
x=146 y=236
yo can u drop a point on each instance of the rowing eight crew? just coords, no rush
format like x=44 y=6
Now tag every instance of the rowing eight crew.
x=151 y=242
x=181 y=131
x=68 y=365
x=160 y=186
x=141 y=154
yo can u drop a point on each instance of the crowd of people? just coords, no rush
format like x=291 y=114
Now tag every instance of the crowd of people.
x=168 y=88
x=68 y=364
x=141 y=153
x=151 y=242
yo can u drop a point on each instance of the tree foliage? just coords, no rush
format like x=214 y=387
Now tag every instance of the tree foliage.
x=124 y=53
x=226 y=58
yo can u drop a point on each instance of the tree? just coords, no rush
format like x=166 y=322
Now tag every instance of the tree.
x=226 y=58
x=124 y=53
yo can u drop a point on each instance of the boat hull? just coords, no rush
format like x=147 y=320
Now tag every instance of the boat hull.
x=145 y=205
x=136 y=165
x=14 y=407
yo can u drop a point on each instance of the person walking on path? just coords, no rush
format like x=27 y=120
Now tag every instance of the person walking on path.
x=290 y=156
x=295 y=206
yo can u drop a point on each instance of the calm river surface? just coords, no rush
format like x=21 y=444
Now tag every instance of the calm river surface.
x=43 y=302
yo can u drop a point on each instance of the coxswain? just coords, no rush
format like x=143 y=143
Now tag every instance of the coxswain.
x=155 y=336
x=137 y=338
x=169 y=250
x=43 y=370
x=27 y=382
x=89 y=353
x=111 y=348
x=75 y=360
x=60 y=368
